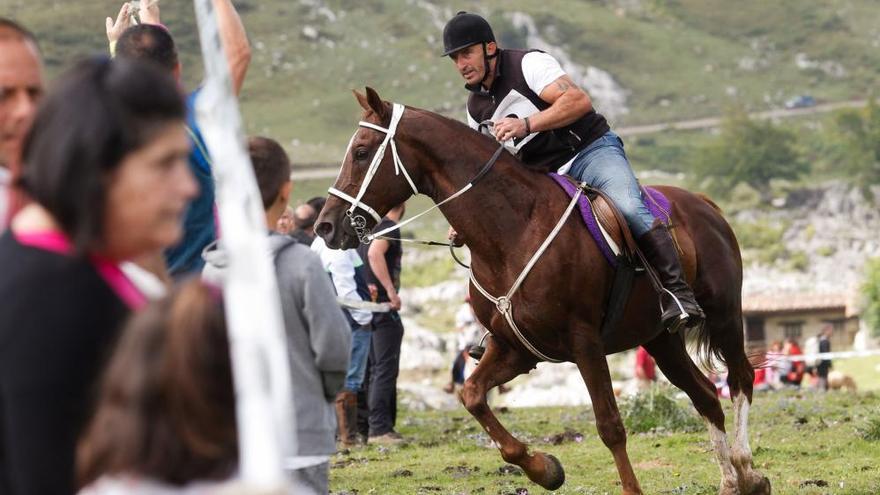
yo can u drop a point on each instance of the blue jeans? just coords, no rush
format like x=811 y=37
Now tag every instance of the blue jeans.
x=604 y=166
x=360 y=349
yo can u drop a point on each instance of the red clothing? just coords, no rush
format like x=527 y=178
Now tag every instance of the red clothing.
x=645 y=363
x=760 y=376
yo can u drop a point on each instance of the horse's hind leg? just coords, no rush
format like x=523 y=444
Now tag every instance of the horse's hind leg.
x=499 y=365
x=672 y=358
x=593 y=366
x=740 y=378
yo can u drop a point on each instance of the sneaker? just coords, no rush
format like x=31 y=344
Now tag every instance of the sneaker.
x=390 y=438
x=449 y=387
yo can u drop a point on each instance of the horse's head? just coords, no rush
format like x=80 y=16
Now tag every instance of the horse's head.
x=372 y=179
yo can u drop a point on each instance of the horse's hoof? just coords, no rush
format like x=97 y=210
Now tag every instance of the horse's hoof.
x=761 y=486
x=552 y=475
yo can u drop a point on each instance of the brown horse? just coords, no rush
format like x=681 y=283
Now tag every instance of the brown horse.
x=559 y=307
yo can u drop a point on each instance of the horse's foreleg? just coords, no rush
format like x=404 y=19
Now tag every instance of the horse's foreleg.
x=591 y=362
x=498 y=366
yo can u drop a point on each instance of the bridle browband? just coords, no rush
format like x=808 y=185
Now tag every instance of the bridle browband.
x=358 y=222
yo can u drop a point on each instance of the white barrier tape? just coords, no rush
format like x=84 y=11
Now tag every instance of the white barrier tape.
x=825 y=355
x=260 y=365
x=374 y=307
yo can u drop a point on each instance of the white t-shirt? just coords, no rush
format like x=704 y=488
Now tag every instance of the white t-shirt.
x=539 y=71
x=341 y=264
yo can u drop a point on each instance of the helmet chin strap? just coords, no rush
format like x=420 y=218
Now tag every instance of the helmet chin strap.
x=486 y=57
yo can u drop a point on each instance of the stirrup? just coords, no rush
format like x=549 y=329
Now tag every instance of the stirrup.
x=677 y=324
x=683 y=320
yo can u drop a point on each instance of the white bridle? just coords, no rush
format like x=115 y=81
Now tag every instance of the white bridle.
x=356 y=202
x=358 y=222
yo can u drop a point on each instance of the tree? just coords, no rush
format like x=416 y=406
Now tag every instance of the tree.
x=871 y=296
x=751 y=152
x=857 y=149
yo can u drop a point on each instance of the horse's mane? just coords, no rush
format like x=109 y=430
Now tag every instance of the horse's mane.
x=486 y=142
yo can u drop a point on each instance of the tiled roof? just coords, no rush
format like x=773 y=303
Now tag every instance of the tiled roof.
x=787 y=303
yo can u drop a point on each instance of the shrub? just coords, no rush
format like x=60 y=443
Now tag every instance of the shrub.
x=871 y=430
x=658 y=410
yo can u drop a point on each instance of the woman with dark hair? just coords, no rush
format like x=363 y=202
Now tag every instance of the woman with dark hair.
x=165 y=418
x=105 y=165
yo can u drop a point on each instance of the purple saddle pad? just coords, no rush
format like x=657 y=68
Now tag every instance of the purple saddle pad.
x=656 y=202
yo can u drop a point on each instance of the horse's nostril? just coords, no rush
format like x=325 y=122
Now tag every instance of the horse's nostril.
x=324 y=229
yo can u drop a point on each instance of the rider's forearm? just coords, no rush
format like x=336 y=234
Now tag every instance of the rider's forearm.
x=235 y=42
x=567 y=109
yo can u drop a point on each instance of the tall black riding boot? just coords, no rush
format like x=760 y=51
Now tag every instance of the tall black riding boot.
x=680 y=308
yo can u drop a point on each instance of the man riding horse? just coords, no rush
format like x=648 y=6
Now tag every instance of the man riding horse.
x=549 y=123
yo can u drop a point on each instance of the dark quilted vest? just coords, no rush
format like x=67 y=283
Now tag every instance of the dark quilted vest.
x=510 y=96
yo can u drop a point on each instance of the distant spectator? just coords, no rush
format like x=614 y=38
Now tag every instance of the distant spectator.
x=468 y=333
x=794 y=373
x=346 y=270
x=105 y=189
x=383 y=274
x=317 y=203
x=810 y=349
x=304 y=224
x=152 y=42
x=775 y=366
x=645 y=371
x=824 y=365
x=285 y=222
x=165 y=417
x=21 y=88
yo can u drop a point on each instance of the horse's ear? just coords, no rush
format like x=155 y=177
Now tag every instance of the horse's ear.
x=362 y=99
x=376 y=104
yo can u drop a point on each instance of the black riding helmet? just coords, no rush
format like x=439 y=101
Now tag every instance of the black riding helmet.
x=464 y=30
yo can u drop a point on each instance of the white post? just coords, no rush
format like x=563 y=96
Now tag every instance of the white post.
x=258 y=344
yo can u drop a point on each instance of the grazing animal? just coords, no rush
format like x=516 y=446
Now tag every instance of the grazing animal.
x=840 y=381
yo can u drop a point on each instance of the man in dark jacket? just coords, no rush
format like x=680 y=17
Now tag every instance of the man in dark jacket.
x=383 y=276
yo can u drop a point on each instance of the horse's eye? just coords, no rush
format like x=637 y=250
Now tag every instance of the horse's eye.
x=360 y=154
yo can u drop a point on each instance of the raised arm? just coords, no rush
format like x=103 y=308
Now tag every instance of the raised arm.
x=235 y=42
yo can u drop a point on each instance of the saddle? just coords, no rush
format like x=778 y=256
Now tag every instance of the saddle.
x=611 y=233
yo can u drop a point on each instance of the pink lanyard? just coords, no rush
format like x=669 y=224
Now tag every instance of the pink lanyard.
x=56 y=242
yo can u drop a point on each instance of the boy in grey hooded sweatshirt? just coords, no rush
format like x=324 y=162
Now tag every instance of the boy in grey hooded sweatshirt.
x=318 y=336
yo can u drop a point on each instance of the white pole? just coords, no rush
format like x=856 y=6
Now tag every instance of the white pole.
x=258 y=345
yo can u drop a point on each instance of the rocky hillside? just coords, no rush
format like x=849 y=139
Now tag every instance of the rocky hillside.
x=645 y=61
x=819 y=239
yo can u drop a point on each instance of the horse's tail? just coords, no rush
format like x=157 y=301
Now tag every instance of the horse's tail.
x=707 y=348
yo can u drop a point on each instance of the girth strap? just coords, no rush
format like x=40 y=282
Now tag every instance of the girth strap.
x=504 y=303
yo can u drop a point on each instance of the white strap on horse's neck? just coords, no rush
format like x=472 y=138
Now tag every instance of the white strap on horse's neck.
x=504 y=304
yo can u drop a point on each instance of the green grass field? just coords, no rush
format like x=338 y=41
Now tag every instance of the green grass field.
x=805 y=443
